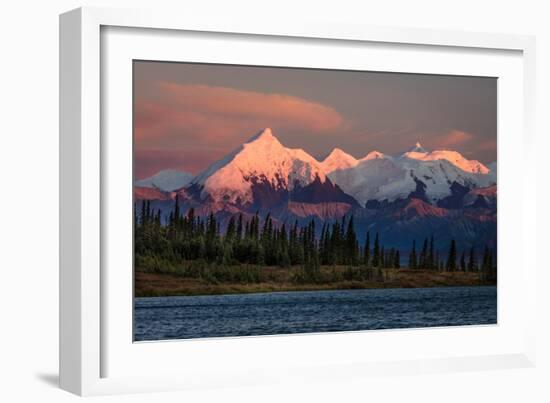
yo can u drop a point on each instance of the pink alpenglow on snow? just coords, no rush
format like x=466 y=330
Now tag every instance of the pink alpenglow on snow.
x=472 y=166
x=264 y=158
x=338 y=159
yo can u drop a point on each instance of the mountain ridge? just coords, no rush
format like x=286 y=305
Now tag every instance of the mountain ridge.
x=262 y=174
x=403 y=197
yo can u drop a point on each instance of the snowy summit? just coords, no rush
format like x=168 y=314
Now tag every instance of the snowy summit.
x=338 y=159
x=262 y=159
x=454 y=157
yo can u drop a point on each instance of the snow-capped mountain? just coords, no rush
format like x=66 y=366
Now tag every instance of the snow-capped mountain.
x=455 y=158
x=382 y=177
x=262 y=162
x=166 y=180
x=338 y=160
x=264 y=174
x=373 y=178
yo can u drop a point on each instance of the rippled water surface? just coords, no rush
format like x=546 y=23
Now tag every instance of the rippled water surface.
x=313 y=311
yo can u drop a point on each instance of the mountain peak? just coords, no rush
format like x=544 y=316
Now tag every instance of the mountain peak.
x=454 y=157
x=338 y=151
x=260 y=163
x=263 y=135
x=373 y=155
x=338 y=159
x=418 y=148
x=263 y=142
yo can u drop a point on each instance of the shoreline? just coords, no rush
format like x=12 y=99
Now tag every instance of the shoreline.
x=148 y=284
x=320 y=290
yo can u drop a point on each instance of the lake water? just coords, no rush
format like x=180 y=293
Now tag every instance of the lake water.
x=313 y=311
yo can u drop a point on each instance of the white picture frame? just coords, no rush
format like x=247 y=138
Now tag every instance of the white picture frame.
x=96 y=356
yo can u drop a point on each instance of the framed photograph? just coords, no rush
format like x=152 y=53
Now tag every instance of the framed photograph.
x=243 y=203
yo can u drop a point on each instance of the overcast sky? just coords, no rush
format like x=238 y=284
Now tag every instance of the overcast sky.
x=187 y=116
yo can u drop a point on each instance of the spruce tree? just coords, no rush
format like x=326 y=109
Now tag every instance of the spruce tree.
x=431 y=256
x=284 y=246
x=451 y=258
x=157 y=218
x=293 y=244
x=462 y=262
x=148 y=211
x=366 y=252
x=412 y=257
x=485 y=261
x=471 y=260
x=247 y=231
x=231 y=230
x=396 y=260
x=142 y=213
x=177 y=210
x=191 y=221
x=266 y=230
x=322 y=244
x=239 y=233
x=423 y=262
x=490 y=266
x=376 y=252
x=391 y=257
x=326 y=246
x=351 y=244
x=335 y=241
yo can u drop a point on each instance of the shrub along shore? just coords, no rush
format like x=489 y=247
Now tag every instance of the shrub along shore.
x=256 y=279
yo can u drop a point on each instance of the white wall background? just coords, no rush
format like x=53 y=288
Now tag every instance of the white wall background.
x=29 y=197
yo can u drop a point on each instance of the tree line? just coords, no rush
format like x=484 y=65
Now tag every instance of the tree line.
x=188 y=237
